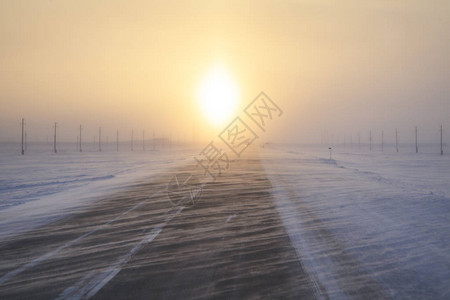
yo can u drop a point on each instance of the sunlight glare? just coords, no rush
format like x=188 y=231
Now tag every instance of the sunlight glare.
x=218 y=96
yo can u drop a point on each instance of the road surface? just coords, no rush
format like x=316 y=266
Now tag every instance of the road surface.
x=135 y=245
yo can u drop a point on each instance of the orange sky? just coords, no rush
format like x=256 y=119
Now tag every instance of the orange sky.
x=333 y=66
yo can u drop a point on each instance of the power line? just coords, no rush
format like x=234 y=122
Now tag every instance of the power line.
x=396 y=139
x=132 y=133
x=80 y=139
x=417 y=147
x=23 y=125
x=100 y=139
x=54 y=139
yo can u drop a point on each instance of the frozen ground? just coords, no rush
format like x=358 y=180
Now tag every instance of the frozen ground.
x=283 y=222
x=367 y=216
x=42 y=186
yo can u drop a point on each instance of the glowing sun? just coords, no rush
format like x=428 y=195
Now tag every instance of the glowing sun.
x=218 y=96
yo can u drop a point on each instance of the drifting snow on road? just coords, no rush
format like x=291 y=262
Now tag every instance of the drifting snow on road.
x=283 y=222
x=367 y=223
x=42 y=187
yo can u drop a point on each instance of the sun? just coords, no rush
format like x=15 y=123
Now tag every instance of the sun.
x=218 y=96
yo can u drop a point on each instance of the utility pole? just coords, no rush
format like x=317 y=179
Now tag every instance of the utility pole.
x=153 y=140
x=193 y=134
x=132 y=132
x=23 y=125
x=370 y=140
x=396 y=139
x=54 y=139
x=100 y=139
x=442 y=150
x=417 y=147
x=117 y=140
x=163 y=139
x=80 y=139
x=359 y=141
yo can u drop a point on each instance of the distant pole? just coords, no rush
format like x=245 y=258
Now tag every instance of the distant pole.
x=80 y=139
x=382 y=141
x=417 y=147
x=370 y=140
x=100 y=139
x=132 y=132
x=117 y=140
x=359 y=141
x=143 y=140
x=396 y=139
x=442 y=149
x=193 y=134
x=54 y=140
x=23 y=124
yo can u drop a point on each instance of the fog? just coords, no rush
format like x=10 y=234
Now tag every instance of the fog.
x=335 y=68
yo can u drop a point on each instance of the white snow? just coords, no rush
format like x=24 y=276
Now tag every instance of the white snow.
x=361 y=220
x=385 y=215
x=41 y=187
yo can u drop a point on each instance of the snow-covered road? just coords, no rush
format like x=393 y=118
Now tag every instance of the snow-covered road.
x=42 y=187
x=363 y=220
x=283 y=222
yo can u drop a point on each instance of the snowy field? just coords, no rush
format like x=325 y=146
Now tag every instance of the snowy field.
x=364 y=224
x=42 y=186
x=378 y=215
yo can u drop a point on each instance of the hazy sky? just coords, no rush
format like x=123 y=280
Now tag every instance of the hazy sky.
x=335 y=67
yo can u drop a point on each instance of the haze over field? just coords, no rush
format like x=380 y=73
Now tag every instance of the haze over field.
x=335 y=68
x=318 y=202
